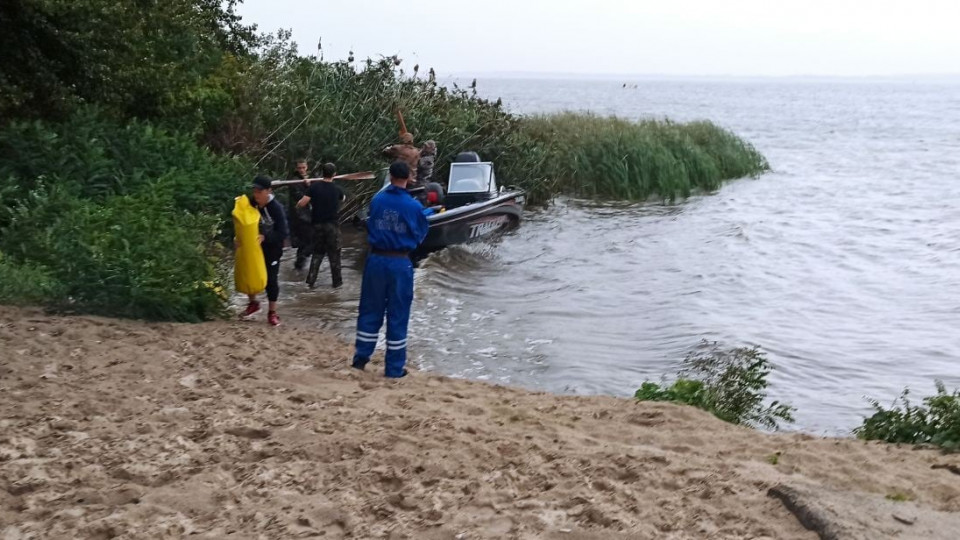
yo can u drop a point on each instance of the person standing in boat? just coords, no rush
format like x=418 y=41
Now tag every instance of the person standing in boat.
x=428 y=155
x=407 y=153
x=324 y=198
x=301 y=228
x=273 y=232
x=395 y=227
x=432 y=195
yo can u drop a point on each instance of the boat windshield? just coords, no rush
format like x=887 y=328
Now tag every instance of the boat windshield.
x=471 y=178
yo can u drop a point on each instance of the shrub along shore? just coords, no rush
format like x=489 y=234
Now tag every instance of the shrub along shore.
x=732 y=385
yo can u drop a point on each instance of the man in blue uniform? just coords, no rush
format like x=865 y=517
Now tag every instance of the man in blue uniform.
x=395 y=227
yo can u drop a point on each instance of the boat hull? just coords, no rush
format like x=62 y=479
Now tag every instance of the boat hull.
x=474 y=222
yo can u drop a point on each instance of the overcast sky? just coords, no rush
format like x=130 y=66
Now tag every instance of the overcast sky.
x=661 y=37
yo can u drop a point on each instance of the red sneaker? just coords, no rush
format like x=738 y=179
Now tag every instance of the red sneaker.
x=252 y=309
x=273 y=318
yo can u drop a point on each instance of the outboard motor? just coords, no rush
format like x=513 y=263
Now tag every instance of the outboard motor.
x=467 y=157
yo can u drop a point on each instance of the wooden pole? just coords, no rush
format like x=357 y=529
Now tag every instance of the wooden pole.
x=403 y=125
x=366 y=175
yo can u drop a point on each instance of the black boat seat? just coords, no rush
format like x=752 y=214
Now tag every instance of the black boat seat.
x=453 y=200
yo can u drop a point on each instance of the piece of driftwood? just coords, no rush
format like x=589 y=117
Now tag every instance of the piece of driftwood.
x=848 y=515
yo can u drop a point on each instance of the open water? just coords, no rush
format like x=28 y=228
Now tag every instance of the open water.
x=843 y=263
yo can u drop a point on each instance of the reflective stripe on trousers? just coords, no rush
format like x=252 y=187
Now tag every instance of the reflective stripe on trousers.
x=387 y=290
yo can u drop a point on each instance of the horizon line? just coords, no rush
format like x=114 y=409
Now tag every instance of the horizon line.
x=575 y=75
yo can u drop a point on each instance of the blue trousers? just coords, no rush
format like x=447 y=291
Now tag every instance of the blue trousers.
x=387 y=288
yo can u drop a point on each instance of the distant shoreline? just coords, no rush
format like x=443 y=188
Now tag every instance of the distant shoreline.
x=523 y=75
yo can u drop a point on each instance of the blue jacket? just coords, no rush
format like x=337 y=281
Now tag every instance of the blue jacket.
x=396 y=221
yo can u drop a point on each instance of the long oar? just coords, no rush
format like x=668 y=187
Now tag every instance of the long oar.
x=403 y=125
x=366 y=175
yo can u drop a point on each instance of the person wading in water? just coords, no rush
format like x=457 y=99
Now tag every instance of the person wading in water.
x=324 y=198
x=273 y=231
x=301 y=230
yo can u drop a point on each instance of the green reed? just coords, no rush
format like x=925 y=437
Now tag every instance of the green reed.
x=609 y=157
x=345 y=112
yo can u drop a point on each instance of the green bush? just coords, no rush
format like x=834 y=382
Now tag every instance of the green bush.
x=124 y=218
x=130 y=256
x=729 y=383
x=26 y=284
x=936 y=422
x=96 y=157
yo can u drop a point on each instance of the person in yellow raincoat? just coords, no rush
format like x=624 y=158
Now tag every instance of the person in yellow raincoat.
x=272 y=231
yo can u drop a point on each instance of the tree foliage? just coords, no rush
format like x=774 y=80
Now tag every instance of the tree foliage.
x=148 y=59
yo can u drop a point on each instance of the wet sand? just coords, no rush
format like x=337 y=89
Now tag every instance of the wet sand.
x=125 y=429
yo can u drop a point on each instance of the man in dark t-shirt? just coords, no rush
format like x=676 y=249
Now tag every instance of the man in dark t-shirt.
x=324 y=198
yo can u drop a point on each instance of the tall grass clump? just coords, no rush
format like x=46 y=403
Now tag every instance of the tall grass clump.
x=345 y=112
x=936 y=421
x=610 y=157
x=730 y=383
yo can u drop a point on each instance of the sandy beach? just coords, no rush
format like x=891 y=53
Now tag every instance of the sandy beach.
x=125 y=429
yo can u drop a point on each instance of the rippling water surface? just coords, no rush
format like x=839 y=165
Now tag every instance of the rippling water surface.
x=843 y=263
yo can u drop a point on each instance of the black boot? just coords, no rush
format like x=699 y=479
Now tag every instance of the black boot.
x=302 y=257
x=314 y=270
x=337 y=278
x=335 y=270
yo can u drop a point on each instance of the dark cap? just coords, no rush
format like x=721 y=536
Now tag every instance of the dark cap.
x=262 y=182
x=399 y=169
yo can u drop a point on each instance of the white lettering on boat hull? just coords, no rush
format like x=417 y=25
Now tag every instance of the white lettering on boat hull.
x=486 y=227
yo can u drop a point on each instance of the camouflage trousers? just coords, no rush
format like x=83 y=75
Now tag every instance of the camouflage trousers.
x=301 y=237
x=326 y=242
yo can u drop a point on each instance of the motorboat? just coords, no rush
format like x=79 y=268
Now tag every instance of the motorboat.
x=474 y=207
